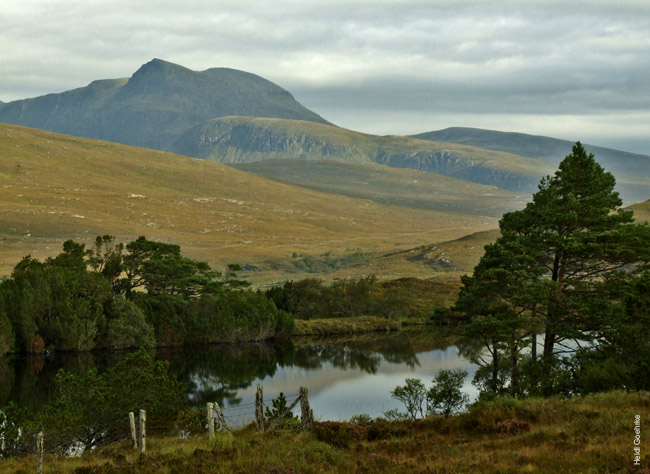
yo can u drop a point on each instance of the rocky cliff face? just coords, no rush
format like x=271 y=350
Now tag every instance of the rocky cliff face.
x=245 y=140
x=456 y=166
x=237 y=140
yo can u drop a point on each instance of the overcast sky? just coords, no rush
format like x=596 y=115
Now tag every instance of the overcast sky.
x=571 y=69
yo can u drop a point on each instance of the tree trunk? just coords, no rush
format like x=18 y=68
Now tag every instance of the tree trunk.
x=514 y=381
x=549 y=344
x=533 y=347
x=495 y=371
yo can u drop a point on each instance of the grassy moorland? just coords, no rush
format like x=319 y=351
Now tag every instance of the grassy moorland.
x=383 y=184
x=641 y=211
x=55 y=187
x=594 y=434
x=441 y=261
x=227 y=139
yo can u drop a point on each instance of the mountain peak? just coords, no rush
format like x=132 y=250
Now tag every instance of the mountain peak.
x=158 y=67
x=156 y=105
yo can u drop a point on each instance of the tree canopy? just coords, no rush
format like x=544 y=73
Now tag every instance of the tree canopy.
x=555 y=264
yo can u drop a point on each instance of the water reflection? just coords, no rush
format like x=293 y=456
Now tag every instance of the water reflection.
x=345 y=376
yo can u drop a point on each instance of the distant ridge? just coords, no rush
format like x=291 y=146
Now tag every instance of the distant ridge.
x=156 y=105
x=251 y=139
x=233 y=116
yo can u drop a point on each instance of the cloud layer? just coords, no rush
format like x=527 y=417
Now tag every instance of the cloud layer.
x=572 y=69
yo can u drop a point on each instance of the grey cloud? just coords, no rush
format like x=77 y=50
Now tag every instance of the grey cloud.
x=456 y=58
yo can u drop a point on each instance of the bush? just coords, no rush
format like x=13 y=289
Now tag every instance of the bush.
x=6 y=334
x=446 y=395
x=242 y=315
x=93 y=408
x=412 y=395
x=127 y=327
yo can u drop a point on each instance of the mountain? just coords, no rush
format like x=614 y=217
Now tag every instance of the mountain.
x=237 y=117
x=251 y=139
x=56 y=187
x=632 y=170
x=156 y=105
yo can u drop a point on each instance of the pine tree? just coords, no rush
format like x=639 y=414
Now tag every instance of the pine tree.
x=555 y=259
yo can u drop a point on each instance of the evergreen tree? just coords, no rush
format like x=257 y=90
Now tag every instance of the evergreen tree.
x=555 y=259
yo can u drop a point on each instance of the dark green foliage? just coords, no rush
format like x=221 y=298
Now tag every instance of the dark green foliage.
x=127 y=326
x=57 y=302
x=16 y=426
x=6 y=334
x=278 y=409
x=556 y=269
x=106 y=258
x=149 y=295
x=93 y=408
x=170 y=316
x=161 y=269
x=621 y=360
x=312 y=299
x=242 y=316
x=446 y=396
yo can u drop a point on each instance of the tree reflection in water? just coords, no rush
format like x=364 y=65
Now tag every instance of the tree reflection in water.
x=219 y=372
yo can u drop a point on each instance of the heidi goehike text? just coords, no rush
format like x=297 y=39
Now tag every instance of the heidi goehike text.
x=637 y=440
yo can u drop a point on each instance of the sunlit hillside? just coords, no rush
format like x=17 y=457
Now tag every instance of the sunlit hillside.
x=641 y=211
x=404 y=187
x=56 y=187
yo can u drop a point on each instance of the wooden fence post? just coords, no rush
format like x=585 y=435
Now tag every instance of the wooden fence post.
x=143 y=431
x=39 y=452
x=222 y=419
x=306 y=415
x=210 y=421
x=134 y=436
x=259 y=408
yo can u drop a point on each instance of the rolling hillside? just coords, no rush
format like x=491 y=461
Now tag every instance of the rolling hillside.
x=641 y=211
x=250 y=139
x=632 y=170
x=402 y=187
x=446 y=261
x=55 y=187
x=443 y=260
x=237 y=117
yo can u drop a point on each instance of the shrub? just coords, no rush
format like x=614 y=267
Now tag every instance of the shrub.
x=446 y=395
x=127 y=327
x=412 y=395
x=6 y=334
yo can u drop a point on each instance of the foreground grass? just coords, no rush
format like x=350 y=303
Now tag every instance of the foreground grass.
x=586 y=435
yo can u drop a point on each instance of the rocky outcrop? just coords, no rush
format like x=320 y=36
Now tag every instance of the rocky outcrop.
x=456 y=166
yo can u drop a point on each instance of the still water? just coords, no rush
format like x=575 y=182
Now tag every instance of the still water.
x=344 y=376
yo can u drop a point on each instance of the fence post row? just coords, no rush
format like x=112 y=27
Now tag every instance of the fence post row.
x=134 y=436
x=210 y=411
x=143 y=431
x=39 y=452
x=259 y=408
x=306 y=414
x=222 y=419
